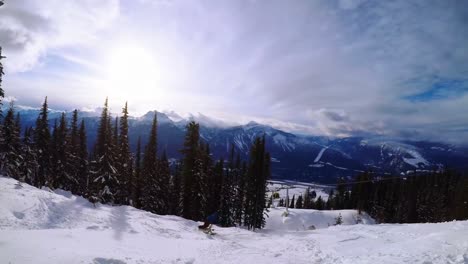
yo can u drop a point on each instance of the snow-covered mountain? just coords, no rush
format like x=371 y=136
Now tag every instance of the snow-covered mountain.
x=45 y=227
x=294 y=157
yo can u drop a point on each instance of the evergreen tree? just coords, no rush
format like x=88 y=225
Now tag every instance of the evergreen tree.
x=339 y=201
x=227 y=184
x=307 y=199
x=175 y=191
x=137 y=181
x=53 y=150
x=291 y=205
x=150 y=197
x=203 y=172
x=29 y=163
x=259 y=172
x=83 y=169
x=11 y=159
x=319 y=204
x=2 y=94
x=105 y=181
x=339 y=220
x=299 y=202
x=239 y=203
x=73 y=145
x=115 y=134
x=124 y=160
x=227 y=212
x=191 y=193
x=215 y=187
x=63 y=176
x=42 y=143
x=164 y=183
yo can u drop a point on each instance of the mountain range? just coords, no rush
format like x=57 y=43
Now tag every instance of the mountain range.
x=293 y=157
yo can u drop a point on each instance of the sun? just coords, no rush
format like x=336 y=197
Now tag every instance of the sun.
x=130 y=69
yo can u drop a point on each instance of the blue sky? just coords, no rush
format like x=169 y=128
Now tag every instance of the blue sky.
x=329 y=67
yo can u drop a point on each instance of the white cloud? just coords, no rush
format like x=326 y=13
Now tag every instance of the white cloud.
x=30 y=29
x=332 y=67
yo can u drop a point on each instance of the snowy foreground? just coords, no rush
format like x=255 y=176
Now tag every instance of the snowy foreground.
x=38 y=226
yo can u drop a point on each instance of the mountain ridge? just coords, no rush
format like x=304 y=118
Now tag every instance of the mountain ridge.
x=294 y=157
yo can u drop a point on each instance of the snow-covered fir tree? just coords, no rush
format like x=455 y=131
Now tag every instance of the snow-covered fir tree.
x=29 y=165
x=124 y=161
x=150 y=185
x=42 y=142
x=10 y=154
x=83 y=162
x=104 y=173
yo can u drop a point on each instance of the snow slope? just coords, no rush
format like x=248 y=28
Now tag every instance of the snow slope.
x=296 y=189
x=301 y=220
x=39 y=226
x=319 y=155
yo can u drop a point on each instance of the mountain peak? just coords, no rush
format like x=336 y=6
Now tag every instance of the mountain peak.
x=162 y=117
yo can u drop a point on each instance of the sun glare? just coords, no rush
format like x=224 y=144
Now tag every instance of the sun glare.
x=131 y=69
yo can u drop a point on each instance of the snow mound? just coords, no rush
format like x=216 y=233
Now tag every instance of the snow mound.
x=308 y=219
x=44 y=227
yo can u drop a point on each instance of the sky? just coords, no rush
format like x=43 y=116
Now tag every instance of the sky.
x=323 y=67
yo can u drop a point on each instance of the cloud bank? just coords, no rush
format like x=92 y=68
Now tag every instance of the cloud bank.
x=339 y=68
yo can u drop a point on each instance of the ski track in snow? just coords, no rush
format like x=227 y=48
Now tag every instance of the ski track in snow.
x=39 y=226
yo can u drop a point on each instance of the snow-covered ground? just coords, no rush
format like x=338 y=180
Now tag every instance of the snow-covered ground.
x=39 y=226
x=296 y=189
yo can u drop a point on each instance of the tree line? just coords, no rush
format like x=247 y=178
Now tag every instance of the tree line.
x=56 y=155
x=427 y=197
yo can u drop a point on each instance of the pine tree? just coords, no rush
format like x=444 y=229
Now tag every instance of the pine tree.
x=105 y=182
x=191 y=195
x=307 y=199
x=63 y=176
x=83 y=169
x=203 y=171
x=138 y=179
x=29 y=165
x=42 y=142
x=239 y=203
x=292 y=204
x=270 y=202
x=231 y=184
x=164 y=181
x=150 y=187
x=124 y=160
x=2 y=94
x=339 y=220
x=199 y=190
x=176 y=183
x=115 y=135
x=259 y=172
x=226 y=215
x=73 y=164
x=339 y=199
x=299 y=202
x=11 y=159
x=53 y=151
x=319 y=204
x=215 y=186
